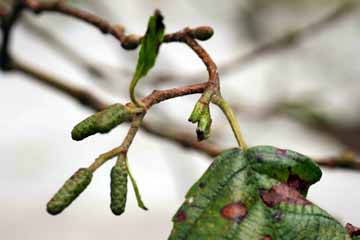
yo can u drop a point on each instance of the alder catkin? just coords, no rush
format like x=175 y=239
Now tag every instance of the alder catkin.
x=111 y=117
x=69 y=191
x=85 y=128
x=101 y=122
x=118 y=187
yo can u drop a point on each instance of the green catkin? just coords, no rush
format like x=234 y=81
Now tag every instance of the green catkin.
x=118 y=188
x=85 y=128
x=111 y=117
x=101 y=122
x=69 y=191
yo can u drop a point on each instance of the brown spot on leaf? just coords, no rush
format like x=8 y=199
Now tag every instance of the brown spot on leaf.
x=202 y=185
x=180 y=216
x=234 y=211
x=282 y=193
x=297 y=183
x=267 y=237
x=281 y=152
x=352 y=230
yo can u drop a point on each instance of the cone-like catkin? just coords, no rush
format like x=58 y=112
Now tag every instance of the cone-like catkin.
x=101 y=122
x=111 y=117
x=118 y=186
x=85 y=128
x=69 y=191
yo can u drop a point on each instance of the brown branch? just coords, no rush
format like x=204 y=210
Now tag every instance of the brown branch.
x=128 y=42
x=187 y=36
x=123 y=148
x=286 y=41
x=205 y=57
x=87 y=99
x=158 y=96
x=170 y=134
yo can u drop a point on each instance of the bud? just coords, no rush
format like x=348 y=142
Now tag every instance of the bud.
x=131 y=42
x=111 y=117
x=197 y=112
x=202 y=33
x=204 y=125
x=201 y=116
x=118 y=188
x=69 y=191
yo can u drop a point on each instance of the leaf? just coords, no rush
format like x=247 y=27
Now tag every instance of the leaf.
x=256 y=194
x=150 y=45
x=136 y=189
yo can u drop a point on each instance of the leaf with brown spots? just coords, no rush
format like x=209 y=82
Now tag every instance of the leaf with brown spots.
x=257 y=194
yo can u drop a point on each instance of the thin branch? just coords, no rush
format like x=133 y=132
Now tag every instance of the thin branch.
x=286 y=41
x=205 y=57
x=128 y=42
x=123 y=148
x=86 y=98
x=173 y=135
x=158 y=96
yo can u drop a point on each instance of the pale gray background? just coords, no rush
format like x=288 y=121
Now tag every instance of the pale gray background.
x=37 y=153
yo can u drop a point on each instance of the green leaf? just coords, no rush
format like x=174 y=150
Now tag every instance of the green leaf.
x=256 y=194
x=150 y=45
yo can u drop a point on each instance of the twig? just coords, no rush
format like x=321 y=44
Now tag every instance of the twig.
x=288 y=40
x=123 y=148
x=128 y=42
x=177 y=137
x=89 y=100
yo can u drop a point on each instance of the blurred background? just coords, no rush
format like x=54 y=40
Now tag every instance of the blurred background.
x=289 y=68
